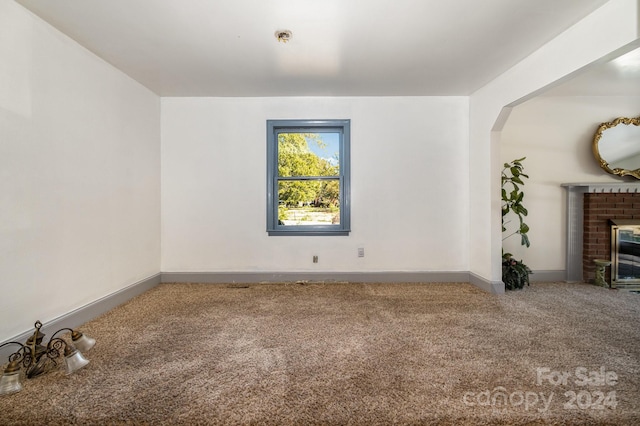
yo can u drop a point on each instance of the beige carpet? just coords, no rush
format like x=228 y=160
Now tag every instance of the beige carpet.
x=339 y=353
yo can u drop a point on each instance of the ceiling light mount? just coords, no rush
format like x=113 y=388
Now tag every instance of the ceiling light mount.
x=283 y=36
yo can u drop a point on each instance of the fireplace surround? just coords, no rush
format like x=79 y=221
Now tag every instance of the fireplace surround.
x=590 y=207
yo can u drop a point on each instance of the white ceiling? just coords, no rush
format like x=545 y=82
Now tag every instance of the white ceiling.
x=617 y=77
x=339 y=47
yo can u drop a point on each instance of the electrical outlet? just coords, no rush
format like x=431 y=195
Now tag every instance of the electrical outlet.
x=360 y=251
x=315 y=259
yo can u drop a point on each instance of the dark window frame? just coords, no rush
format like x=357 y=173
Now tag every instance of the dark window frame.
x=274 y=127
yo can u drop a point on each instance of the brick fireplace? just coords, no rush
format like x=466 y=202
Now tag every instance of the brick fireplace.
x=589 y=208
x=598 y=209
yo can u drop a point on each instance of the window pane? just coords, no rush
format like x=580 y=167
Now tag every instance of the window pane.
x=309 y=202
x=308 y=154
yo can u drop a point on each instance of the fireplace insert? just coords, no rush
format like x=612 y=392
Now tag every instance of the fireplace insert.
x=625 y=251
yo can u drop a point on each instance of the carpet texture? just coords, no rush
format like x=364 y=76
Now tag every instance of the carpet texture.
x=351 y=353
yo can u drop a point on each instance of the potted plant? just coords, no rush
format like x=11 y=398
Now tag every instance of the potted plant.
x=515 y=274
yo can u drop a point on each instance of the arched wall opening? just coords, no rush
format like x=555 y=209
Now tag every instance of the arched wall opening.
x=608 y=31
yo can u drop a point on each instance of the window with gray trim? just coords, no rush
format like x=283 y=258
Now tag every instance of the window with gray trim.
x=308 y=186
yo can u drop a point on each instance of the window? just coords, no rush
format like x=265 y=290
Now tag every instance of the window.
x=308 y=177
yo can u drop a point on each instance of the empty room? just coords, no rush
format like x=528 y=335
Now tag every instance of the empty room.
x=320 y=212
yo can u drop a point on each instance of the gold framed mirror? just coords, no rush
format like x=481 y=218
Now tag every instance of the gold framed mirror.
x=616 y=146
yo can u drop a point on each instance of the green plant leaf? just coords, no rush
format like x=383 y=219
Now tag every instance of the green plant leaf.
x=512 y=175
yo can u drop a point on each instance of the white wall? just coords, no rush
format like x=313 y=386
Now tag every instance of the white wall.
x=79 y=175
x=556 y=136
x=612 y=27
x=409 y=186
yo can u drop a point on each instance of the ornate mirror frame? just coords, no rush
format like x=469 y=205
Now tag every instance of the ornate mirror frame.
x=596 y=149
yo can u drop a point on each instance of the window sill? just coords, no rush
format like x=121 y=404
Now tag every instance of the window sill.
x=302 y=233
